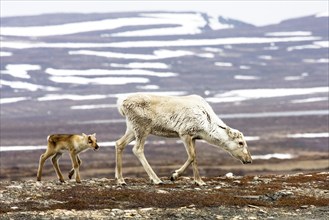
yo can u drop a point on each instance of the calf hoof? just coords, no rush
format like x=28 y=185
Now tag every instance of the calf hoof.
x=39 y=179
x=78 y=181
x=71 y=174
x=61 y=181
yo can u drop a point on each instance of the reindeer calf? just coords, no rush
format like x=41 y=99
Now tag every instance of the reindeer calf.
x=75 y=144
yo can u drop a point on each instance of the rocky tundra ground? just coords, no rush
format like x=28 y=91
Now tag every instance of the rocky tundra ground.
x=290 y=196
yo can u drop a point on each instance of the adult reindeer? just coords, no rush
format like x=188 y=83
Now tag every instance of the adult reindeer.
x=186 y=117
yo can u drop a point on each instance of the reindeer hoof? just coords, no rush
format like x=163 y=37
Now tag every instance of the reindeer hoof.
x=156 y=182
x=70 y=175
x=174 y=176
x=200 y=183
x=121 y=182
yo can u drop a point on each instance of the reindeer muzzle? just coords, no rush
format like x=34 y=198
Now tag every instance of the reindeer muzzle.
x=247 y=162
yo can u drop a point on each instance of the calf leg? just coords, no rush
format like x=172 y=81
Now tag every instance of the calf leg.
x=42 y=161
x=72 y=170
x=138 y=150
x=119 y=147
x=55 y=159
x=75 y=165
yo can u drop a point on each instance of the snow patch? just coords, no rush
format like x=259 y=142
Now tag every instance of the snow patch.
x=5 y=54
x=136 y=65
x=205 y=55
x=167 y=43
x=322 y=14
x=315 y=45
x=265 y=57
x=148 y=87
x=54 y=97
x=244 y=77
x=12 y=100
x=215 y=24
x=317 y=99
x=104 y=72
x=26 y=86
x=309 y=135
x=293 y=78
x=98 y=80
x=20 y=70
x=223 y=64
x=252 y=138
x=270 y=156
x=208 y=42
x=244 y=67
x=250 y=94
x=322 y=60
x=88 y=107
x=157 y=54
x=213 y=49
x=289 y=33
x=188 y=24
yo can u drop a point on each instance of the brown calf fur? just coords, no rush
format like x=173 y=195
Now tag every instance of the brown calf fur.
x=75 y=144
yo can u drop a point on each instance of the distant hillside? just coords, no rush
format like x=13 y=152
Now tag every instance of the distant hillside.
x=62 y=73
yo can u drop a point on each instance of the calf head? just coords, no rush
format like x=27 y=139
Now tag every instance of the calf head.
x=237 y=146
x=91 y=141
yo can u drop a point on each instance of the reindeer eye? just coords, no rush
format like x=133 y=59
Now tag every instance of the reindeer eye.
x=90 y=142
x=241 y=143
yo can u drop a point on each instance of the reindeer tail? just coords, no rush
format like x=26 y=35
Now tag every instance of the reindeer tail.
x=120 y=105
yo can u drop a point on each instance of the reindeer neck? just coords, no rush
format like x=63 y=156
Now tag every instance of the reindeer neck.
x=216 y=136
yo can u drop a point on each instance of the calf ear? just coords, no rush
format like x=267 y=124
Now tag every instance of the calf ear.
x=94 y=134
x=84 y=135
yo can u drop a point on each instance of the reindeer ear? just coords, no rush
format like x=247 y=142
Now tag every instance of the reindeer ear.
x=84 y=135
x=94 y=134
x=230 y=132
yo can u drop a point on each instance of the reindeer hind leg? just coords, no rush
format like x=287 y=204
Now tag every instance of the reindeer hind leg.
x=119 y=147
x=71 y=173
x=42 y=161
x=54 y=160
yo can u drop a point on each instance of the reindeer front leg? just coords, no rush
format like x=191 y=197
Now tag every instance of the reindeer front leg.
x=75 y=165
x=42 y=161
x=189 y=144
x=119 y=147
x=138 y=150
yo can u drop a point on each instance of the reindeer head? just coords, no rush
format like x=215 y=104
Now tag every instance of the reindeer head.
x=237 y=146
x=91 y=141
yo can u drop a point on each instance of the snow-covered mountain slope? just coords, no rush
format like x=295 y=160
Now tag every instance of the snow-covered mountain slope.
x=52 y=64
